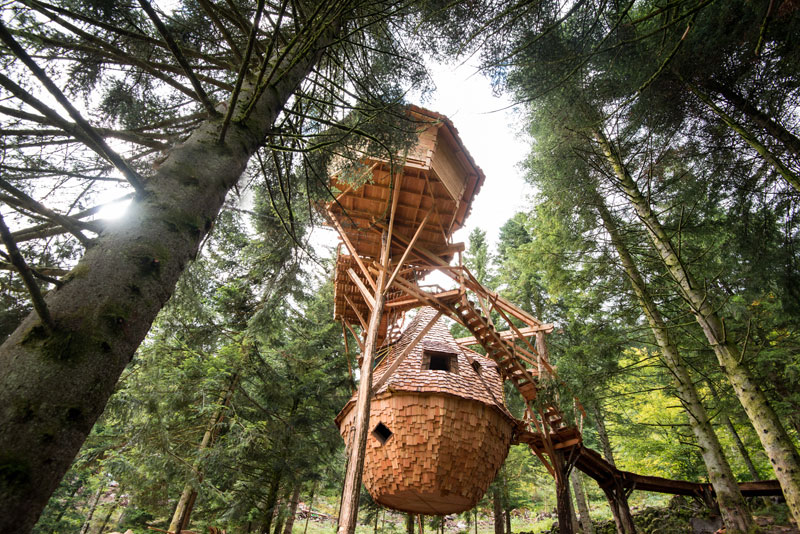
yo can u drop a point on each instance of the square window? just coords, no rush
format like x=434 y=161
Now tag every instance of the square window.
x=382 y=433
x=440 y=361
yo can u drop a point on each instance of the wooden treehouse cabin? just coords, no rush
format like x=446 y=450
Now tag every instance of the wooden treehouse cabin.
x=428 y=426
x=439 y=429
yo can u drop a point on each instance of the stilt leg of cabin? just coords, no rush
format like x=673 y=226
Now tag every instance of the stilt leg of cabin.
x=348 y=514
x=563 y=498
x=618 y=502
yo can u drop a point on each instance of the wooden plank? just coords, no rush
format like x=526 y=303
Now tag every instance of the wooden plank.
x=406 y=351
x=508 y=334
x=361 y=287
x=408 y=249
x=351 y=249
x=358 y=314
x=358 y=340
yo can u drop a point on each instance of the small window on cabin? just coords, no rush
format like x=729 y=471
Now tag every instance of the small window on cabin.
x=440 y=361
x=382 y=433
x=477 y=366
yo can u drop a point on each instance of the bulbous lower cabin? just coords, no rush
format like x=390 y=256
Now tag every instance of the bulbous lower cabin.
x=439 y=429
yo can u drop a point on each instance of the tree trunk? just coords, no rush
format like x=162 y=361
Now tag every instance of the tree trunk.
x=507 y=514
x=600 y=424
x=747 y=136
x=107 y=517
x=55 y=384
x=733 y=508
x=743 y=452
x=357 y=444
x=775 y=129
x=617 y=500
x=580 y=498
x=292 y=509
x=66 y=506
x=92 y=508
x=310 y=507
x=271 y=502
x=576 y=526
x=409 y=523
x=180 y=518
x=563 y=498
x=773 y=436
x=497 y=504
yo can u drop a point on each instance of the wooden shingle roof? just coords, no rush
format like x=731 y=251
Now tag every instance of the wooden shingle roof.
x=484 y=385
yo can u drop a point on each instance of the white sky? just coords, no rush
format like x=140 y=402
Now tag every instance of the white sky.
x=494 y=139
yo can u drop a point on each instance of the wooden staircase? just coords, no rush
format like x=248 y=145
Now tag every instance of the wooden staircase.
x=511 y=367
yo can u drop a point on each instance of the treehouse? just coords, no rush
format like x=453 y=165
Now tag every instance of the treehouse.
x=439 y=429
x=425 y=198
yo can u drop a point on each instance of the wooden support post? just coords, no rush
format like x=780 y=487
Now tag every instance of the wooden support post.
x=350 y=248
x=563 y=499
x=348 y=513
x=408 y=249
x=618 y=502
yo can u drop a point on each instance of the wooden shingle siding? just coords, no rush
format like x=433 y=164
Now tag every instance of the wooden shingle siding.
x=450 y=430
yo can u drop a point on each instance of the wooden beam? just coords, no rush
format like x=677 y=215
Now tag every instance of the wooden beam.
x=355 y=310
x=509 y=334
x=408 y=249
x=398 y=183
x=358 y=340
x=351 y=249
x=348 y=513
x=406 y=351
x=361 y=287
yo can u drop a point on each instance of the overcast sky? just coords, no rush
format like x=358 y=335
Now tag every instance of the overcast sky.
x=493 y=138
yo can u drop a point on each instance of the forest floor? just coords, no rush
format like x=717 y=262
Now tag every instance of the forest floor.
x=679 y=516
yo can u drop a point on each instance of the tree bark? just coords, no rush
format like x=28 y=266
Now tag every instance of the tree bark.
x=497 y=509
x=605 y=443
x=271 y=502
x=292 y=509
x=92 y=508
x=772 y=127
x=563 y=498
x=310 y=507
x=733 y=508
x=357 y=446
x=180 y=518
x=53 y=386
x=776 y=442
x=409 y=523
x=580 y=498
x=743 y=452
x=617 y=500
x=107 y=517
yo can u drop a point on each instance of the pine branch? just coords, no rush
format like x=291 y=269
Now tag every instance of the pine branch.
x=104 y=150
x=27 y=277
x=243 y=68
x=179 y=57
x=36 y=207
